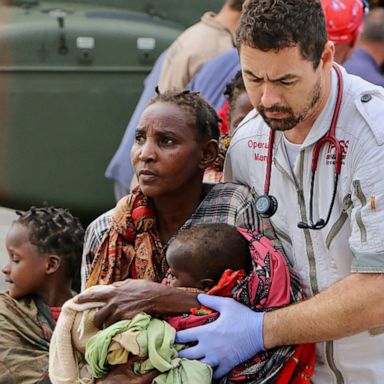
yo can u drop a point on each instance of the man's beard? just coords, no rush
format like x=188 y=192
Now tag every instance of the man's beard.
x=291 y=120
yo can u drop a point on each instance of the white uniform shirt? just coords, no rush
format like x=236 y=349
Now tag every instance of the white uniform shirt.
x=353 y=240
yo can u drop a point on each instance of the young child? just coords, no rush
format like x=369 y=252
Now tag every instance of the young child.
x=199 y=257
x=44 y=246
x=239 y=104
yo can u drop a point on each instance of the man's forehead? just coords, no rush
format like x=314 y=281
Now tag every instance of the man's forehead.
x=272 y=64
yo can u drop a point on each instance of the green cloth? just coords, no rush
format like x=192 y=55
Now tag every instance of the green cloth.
x=96 y=351
x=145 y=337
x=25 y=330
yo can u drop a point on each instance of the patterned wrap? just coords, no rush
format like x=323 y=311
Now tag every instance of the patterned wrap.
x=26 y=328
x=131 y=247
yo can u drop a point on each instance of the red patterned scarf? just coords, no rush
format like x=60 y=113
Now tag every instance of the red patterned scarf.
x=131 y=248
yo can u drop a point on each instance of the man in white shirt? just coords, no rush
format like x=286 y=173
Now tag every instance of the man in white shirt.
x=287 y=66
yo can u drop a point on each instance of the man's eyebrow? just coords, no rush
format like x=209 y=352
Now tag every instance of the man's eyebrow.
x=286 y=77
x=250 y=73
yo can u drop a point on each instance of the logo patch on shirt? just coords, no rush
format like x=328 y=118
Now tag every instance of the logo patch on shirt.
x=331 y=153
x=257 y=145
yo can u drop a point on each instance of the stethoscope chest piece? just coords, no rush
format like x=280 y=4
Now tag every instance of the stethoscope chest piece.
x=266 y=205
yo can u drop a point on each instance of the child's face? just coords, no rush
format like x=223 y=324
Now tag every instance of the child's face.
x=241 y=107
x=25 y=270
x=182 y=279
x=182 y=275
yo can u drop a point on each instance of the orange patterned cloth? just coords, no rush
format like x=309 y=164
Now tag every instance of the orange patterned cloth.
x=131 y=248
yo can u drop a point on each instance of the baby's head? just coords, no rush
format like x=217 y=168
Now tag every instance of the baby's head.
x=42 y=242
x=198 y=256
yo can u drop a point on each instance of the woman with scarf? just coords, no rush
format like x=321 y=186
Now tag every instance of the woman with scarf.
x=175 y=141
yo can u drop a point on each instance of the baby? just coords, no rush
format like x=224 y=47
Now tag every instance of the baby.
x=198 y=256
x=226 y=261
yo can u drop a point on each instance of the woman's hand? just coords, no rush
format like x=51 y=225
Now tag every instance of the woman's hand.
x=123 y=373
x=130 y=297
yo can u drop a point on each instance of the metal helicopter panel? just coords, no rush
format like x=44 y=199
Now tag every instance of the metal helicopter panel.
x=70 y=77
x=184 y=12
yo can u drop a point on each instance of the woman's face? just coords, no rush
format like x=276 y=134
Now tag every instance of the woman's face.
x=167 y=155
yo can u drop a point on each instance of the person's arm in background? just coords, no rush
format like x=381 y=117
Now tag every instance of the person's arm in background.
x=176 y=71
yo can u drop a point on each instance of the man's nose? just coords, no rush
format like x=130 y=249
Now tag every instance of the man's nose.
x=270 y=96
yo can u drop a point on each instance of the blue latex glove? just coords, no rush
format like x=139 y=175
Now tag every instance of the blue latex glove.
x=236 y=336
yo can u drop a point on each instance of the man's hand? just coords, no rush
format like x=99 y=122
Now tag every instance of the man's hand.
x=236 y=336
x=129 y=297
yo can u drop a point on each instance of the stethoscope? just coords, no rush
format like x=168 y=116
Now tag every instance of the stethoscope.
x=266 y=205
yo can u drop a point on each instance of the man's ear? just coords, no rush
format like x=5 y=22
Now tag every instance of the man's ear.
x=209 y=153
x=206 y=284
x=53 y=264
x=328 y=55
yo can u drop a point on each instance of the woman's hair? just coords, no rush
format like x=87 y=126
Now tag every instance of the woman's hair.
x=204 y=116
x=233 y=89
x=55 y=231
x=277 y=24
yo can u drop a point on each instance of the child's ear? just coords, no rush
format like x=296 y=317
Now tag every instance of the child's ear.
x=53 y=264
x=206 y=284
x=209 y=153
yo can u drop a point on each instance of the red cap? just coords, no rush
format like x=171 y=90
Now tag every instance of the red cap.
x=344 y=19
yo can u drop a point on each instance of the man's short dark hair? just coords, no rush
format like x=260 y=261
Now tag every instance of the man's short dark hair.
x=277 y=24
